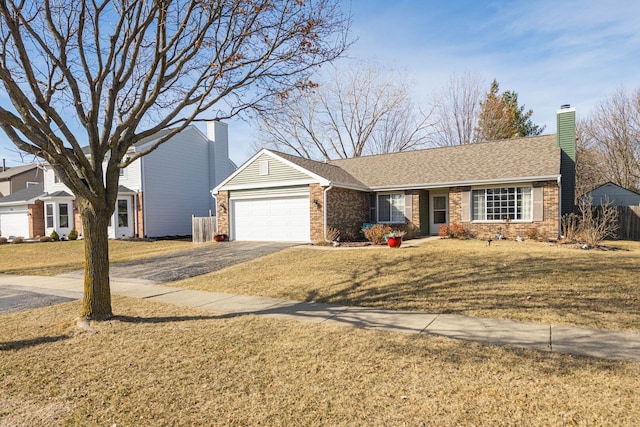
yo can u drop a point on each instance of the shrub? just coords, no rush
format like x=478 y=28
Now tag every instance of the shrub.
x=73 y=234
x=597 y=222
x=375 y=234
x=443 y=231
x=45 y=239
x=54 y=236
x=333 y=234
x=3 y=240
x=570 y=224
x=458 y=231
x=17 y=240
x=533 y=233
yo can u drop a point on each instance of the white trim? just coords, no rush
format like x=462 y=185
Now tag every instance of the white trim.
x=497 y=182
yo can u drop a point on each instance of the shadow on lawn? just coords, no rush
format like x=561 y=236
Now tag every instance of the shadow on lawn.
x=19 y=345
x=583 y=286
x=167 y=319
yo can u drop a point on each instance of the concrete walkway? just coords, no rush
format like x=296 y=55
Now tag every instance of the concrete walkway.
x=605 y=344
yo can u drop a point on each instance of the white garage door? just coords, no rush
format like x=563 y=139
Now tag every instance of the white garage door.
x=13 y=224
x=282 y=219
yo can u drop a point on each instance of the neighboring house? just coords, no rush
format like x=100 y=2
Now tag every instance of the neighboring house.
x=504 y=186
x=614 y=195
x=18 y=178
x=22 y=213
x=158 y=193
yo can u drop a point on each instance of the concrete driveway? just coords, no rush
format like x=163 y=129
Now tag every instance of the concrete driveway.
x=200 y=260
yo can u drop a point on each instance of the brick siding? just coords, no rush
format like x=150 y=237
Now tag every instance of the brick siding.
x=36 y=219
x=223 y=214
x=348 y=209
x=548 y=227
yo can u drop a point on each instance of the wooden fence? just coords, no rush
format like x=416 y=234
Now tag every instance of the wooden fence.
x=203 y=229
x=629 y=220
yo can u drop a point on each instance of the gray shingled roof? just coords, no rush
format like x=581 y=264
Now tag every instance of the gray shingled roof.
x=24 y=195
x=459 y=165
x=17 y=170
x=329 y=171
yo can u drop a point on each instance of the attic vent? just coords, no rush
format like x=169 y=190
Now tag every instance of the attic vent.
x=565 y=106
x=264 y=167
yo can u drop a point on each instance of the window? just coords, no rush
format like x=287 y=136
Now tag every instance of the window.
x=123 y=213
x=499 y=204
x=391 y=207
x=31 y=184
x=56 y=178
x=63 y=214
x=49 y=215
x=121 y=171
x=439 y=209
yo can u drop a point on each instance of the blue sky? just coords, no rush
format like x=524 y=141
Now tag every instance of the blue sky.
x=551 y=52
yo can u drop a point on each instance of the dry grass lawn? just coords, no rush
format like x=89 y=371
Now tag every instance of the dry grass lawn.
x=48 y=259
x=163 y=365
x=526 y=281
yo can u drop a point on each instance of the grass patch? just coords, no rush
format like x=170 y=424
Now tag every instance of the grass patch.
x=163 y=365
x=52 y=258
x=527 y=281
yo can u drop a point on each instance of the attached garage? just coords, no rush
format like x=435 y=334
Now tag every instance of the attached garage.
x=14 y=223
x=270 y=217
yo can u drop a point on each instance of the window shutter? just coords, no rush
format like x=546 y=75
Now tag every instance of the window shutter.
x=408 y=207
x=466 y=206
x=373 y=216
x=538 y=204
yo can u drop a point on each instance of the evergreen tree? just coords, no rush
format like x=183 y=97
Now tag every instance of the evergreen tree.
x=501 y=117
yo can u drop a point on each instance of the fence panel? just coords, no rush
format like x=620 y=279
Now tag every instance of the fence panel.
x=629 y=220
x=203 y=229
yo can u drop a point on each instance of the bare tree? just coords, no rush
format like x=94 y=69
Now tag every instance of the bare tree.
x=456 y=108
x=590 y=172
x=612 y=133
x=110 y=73
x=597 y=223
x=356 y=110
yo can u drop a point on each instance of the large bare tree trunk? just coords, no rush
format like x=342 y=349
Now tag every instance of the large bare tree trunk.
x=96 y=304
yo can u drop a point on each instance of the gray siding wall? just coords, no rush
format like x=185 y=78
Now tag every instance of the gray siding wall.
x=176 y=184
x=278 y=172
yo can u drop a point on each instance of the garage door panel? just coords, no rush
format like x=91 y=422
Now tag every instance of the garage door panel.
x=272 y=219
x=13 y=224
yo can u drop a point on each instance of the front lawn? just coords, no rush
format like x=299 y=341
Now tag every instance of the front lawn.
x=52 y=258
x=527 y=281
x=160 y=365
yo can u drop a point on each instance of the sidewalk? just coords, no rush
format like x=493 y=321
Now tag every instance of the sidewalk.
x=604 y=344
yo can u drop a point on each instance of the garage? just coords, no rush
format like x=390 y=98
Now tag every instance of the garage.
x=281 y=219
x=14 y=223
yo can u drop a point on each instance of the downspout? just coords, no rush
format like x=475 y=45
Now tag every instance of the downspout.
x=325 y=213
x=559 y=206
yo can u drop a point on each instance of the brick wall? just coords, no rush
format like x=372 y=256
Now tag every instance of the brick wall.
x=548 y=227
x=223 y=214
x=316 y=213
x=139 y=231
x=36 y=219
x=348 y=209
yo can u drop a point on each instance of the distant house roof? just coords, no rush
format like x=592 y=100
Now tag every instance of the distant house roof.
x=14 y=171
x=24 y=196
x=614 y=195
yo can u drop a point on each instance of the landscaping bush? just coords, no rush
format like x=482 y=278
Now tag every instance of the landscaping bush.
x=54 y=236
x=443 y=231
x=3 y=240
x=18 y=240
x=458 y=231
x=454 y=231
x=73 y=234
x=45 y=239
x=533 y=233
x=375 y=234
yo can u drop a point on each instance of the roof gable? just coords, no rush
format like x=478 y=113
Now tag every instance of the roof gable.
x=14 y=171
x=24 y=196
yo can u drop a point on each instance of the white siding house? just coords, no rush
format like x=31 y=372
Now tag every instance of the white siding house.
x=158 y=193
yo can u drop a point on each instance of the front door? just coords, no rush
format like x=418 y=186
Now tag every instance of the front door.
x=123 y=218
x=439 y=211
